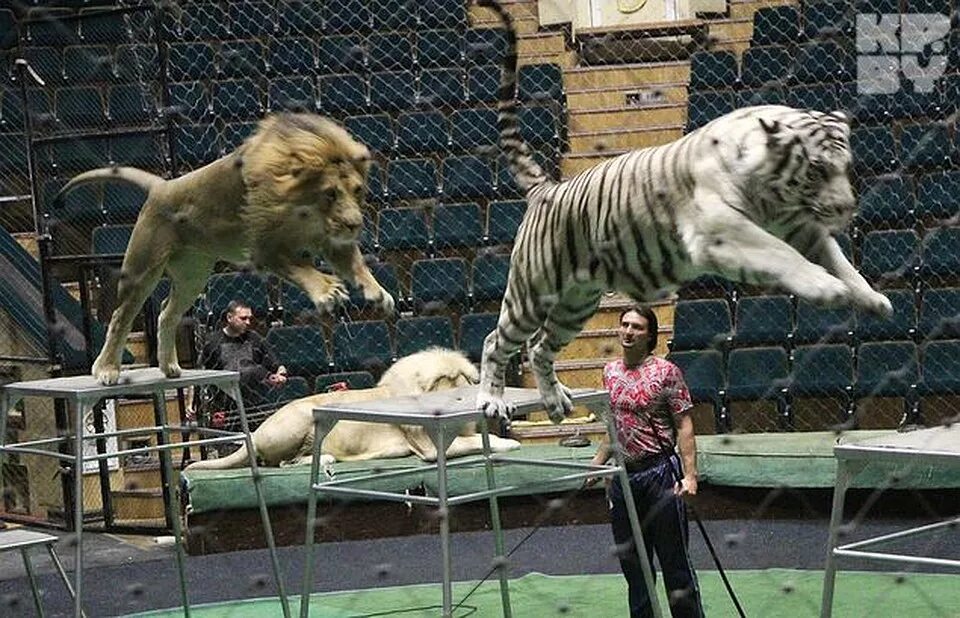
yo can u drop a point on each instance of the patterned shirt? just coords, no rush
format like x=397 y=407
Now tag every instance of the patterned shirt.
x=637 y=399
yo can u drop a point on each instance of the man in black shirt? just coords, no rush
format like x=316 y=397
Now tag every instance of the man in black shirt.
x=237 y=347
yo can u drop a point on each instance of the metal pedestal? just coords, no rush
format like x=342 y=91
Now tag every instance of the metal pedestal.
x=442 y=414
x=939 y=446
x=82 y=393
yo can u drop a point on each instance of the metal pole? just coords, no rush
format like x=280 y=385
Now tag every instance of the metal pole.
x=846 y=470
x=444 y=514
x=34 y=588
x=81 y=409
x=170 y=498
x=321 y=428
x=261 y=499
x=501 y=557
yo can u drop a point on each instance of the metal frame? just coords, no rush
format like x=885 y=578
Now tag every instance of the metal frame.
x=938 y=446
x=84 y=393
x=442 y=414
x=23 y=539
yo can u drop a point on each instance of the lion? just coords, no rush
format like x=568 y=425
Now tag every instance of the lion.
x=294 y=188
x=286 y=437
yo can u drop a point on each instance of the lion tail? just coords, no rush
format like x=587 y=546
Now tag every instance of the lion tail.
x=236 y=459
x=132 y=175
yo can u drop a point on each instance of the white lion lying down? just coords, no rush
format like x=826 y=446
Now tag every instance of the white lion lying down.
x=286 y=437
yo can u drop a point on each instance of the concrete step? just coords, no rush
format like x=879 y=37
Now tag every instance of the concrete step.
x=622 y=140
x=618 y=118
x=644 y=75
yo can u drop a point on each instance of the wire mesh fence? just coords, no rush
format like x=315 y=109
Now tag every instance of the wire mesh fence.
x=170 y=87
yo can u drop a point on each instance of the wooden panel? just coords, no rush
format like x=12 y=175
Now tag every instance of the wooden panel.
x=479 y=15
x=731 y=29
x=749 y=7
x=623 y=140
x=674 y=114
x=594 y=98
x=28 y=240
x=138 y=504
x=541 y=44
x=637 y=75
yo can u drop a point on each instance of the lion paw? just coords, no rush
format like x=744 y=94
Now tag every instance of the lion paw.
x=557 y=402
x=171 y=369
x=326 y=464
x=336 y=296
x=382 y=299
x=493 y=406
x=106 y=373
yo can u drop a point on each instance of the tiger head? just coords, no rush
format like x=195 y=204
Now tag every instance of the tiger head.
x=810 y=165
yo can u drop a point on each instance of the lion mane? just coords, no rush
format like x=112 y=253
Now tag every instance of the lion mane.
x=293 y=190
x=286 y=437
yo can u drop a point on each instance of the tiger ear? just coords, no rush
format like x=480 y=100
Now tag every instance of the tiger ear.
x=771 y=128
x=841 y=116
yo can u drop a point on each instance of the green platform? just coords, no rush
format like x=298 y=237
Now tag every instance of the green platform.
x=772 y=593
x=797 y=460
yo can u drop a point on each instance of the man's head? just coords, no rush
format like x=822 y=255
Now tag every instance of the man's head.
x=638 y=330
x=239 y=317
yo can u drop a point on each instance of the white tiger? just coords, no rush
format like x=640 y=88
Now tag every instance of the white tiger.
x=752 y=196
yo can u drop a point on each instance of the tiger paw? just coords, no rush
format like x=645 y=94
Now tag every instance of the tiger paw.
x=877 y=304
x=558 y=403
x=493 y=406
x=823 y=290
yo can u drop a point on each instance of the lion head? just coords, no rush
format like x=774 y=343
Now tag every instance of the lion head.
x=433 y=369
x=306 y=180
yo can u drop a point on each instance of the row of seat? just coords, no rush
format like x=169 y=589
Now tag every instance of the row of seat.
x=875 y=369
x=133 y=104
x=68 y=155
x=434 y=283
x=902 y=200
x=764 y=320
x=863 y=107
x=431 y=49
x=437 y=284
x=372 y=345
x=225 y=20
x=822 y=19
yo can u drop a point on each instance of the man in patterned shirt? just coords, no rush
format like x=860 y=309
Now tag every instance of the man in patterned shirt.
x=650 y=403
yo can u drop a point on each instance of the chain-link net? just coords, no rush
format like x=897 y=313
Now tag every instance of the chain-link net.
x=169 y=87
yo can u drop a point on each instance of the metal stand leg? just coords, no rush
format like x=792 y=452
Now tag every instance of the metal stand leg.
x=320 y=430
x=63 y=574
x=444 y=514
x=170 y=493
x=846 y=471
x=82 y=407
x=635 y=527
x=501 y=557
x=261 y=499
x=34 y=588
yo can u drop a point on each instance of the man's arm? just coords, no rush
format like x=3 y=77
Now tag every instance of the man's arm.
x=276 y=373
x=688 y=454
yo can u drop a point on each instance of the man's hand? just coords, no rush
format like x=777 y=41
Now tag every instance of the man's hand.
x=686 y=487
x=277 y=379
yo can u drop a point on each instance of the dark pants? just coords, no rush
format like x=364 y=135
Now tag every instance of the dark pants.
x=663 y=520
